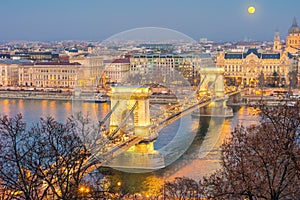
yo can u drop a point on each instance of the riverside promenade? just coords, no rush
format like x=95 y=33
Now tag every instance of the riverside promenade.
x=70 y=96
x=41 y=95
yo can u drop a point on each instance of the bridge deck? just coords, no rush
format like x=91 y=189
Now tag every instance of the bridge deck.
x=116 y=148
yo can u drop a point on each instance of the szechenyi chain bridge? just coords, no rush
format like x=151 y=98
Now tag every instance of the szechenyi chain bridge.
x=132 y=129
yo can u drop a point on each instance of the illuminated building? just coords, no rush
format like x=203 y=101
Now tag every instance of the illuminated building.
x=90 y=73
x=62 y=74
x=165 y=66
x=293 y=38
x=49 y=74
x=246 y=68
x=117 y=70
x=9 y=72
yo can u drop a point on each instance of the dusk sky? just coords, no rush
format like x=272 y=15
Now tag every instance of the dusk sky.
x=217 y=20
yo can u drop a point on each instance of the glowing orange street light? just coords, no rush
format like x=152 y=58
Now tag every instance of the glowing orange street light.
x=84 y=189
x=119 y=183
x=81 y=189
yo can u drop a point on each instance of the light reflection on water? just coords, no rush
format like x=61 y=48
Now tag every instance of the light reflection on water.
x=203 y=155
x=32 y=110
x=200 y=147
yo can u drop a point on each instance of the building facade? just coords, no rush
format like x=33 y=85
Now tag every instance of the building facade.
x=90 y=73
x=9 y=72
x=251 y=68
x=168 y=67
x=49 y=75
x=117 y=70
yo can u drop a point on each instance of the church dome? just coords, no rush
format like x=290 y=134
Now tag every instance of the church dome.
x=294 y=28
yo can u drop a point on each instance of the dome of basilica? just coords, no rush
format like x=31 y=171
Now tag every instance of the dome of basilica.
x=294 y=28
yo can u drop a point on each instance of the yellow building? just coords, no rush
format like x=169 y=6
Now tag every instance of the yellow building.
x=117 y=70
x=90 y=73
x=293 y=38
x=248 y=68
x=9 y=72
x=49 y=75
x=87 y=75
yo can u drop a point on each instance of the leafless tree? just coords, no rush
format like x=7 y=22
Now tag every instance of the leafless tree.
x=181 y=188
x=15 y=146
x=261 y=161
x=49 y=159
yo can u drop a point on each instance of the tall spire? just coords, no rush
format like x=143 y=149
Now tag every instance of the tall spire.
x=277 y=43
x=277 y=34
x=294 y=28
x=294 y=22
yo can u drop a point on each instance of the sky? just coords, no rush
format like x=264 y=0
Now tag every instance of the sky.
x=218 y=20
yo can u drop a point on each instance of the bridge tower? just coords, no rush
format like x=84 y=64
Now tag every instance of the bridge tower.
x=212 y=79
x=213 y=82
x=132 y=118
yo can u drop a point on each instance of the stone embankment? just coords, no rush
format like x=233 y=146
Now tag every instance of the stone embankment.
x=69 y=96
x=41 y=95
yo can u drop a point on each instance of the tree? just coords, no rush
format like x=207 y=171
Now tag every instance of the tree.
x=181 y=188
x=275 y=79
x=261 y=161
x=261 y=80
x=152 y=186
x=293 y=79
x=58 y=157
x=49 y=159
x=15 y=146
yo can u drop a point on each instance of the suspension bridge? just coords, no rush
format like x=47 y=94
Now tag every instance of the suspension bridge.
x=132 y=129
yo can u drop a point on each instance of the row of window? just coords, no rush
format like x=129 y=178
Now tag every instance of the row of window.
x=294 y=41
x=238 y=68
x=112 y=72
x=55 y=83
x=55 y=71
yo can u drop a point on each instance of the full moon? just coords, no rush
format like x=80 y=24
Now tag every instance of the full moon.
x=251 y=10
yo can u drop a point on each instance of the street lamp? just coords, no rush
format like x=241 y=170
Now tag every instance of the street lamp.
x=119 y=183
x=83 y=190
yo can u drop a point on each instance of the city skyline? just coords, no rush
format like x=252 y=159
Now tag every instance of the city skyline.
x=99 y=20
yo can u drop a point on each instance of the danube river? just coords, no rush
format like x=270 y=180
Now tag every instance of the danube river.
x=190 y=146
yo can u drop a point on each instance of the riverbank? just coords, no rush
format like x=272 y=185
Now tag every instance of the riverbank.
x=70 y=96
x=37 y=95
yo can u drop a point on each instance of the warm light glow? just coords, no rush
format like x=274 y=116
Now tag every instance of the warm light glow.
x=84 y=189
x=251 y=10
x=81 y=189
x=119 y=183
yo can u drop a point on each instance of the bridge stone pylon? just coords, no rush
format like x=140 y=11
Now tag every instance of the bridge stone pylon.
x=213 y=82
x=132 y=117
x=128 y=98
x=213 y=86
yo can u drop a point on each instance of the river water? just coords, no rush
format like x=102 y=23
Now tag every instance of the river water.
x=190 y=146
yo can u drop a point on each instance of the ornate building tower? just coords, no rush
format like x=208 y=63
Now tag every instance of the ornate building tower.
x=293 y=38
x=277 y=47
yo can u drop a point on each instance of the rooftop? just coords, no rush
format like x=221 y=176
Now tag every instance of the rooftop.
x=255 y=52
x=56 y=63
x=122 y=60
x=16 y=62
